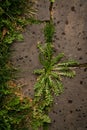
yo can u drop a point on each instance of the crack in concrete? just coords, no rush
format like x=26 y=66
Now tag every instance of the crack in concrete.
x=80 y=65
x=51 y=10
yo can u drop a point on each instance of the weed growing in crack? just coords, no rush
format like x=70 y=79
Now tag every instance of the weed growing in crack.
x=53 y=69
x=49 y=81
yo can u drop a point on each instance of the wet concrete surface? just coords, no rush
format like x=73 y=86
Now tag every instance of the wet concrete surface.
x=69 y=111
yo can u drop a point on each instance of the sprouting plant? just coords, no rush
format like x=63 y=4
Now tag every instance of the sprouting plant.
x=49 y=81
x=50 y=78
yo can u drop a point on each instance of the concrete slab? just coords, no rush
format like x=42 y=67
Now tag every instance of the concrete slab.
x=42 y=7
x=70 y=108
x=25 y=57
x=70 y=19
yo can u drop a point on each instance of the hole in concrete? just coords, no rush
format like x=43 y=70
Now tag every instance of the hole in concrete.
x=81 y=82
x=63 y=33
x=54 y=41
x=26 y=56
x=60 y=111
x=71 y=111
x=84 y=115
x=21 y=58
x=70 y=101
x=83 y=32
x=54 y=112
x=28 y=89
x=62 y=6
x=83 y=100
x=58 y=22
x=83 y=38
x=80 y=106
x=78 y=43
x=33 y=32
x=66 y=22
x=57 y=39
x=77 y=110
x=30 y=60
x=54 y=7
x=80 y=58
x=54 y=121
x=73 y=27
x=79 y=33
x=73 y=8
x=23 y=50
x=62 y=15
x=55 y=36
x=85 y=69
x=79 y=49
x=80 y=5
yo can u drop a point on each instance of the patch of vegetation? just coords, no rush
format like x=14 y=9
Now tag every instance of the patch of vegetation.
x=13 y=18
x=49 y=81
x=14 y=108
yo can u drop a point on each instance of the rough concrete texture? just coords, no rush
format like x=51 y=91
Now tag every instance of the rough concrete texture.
x=42 y=7
x=69 y=111
x=70 y=19
x=25 y=57
x=70 y=108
